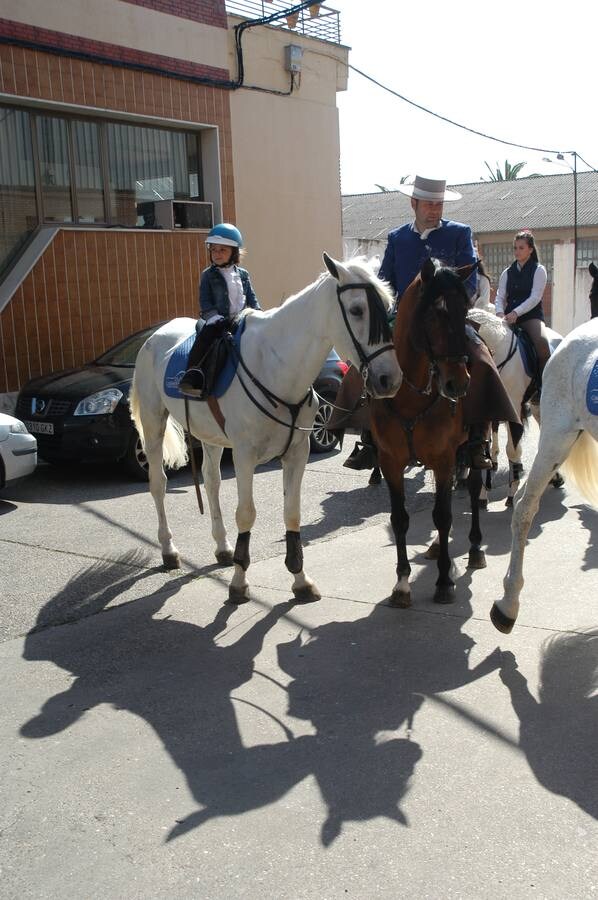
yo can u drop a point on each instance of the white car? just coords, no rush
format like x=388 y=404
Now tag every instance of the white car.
x=18 y=450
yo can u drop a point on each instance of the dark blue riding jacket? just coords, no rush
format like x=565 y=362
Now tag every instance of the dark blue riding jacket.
x=213 y=292
x=406 y=253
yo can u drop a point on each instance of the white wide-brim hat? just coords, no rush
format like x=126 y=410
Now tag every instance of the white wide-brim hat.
x=433 y=189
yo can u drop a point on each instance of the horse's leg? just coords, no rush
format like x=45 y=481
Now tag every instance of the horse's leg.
x=210 y=469
x=154 y=426
x=495 y=446
x=477 y=557
x=293 y=467
x=399 y=519
x=552 y=450
x=443 y=520
x=486 y=487
x=238 y=591
x=514 y=455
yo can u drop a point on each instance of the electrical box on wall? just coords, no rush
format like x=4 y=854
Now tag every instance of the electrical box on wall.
x=292 y=57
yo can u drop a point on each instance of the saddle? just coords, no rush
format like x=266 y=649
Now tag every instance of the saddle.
x=213 y=339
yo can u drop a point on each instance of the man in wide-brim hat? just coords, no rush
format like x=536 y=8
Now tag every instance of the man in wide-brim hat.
x=429 y=235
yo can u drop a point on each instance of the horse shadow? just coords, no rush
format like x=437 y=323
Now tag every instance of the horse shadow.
x=360 y=684
x=589 y=519
x=355 y=507
x=558 y=732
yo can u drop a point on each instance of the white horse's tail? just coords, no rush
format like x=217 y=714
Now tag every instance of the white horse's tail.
x=581 y=467
x=174 y=446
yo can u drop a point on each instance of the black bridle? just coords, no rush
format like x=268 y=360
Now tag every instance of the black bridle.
x=379 y=327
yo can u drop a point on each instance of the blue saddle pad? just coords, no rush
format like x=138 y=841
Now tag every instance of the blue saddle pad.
x=592 y=391
x=528 y=353
x=177 y=365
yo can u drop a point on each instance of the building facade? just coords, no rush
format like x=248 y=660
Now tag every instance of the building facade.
x=124 y=135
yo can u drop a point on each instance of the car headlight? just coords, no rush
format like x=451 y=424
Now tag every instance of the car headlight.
x=17 y=428
x=100 y=404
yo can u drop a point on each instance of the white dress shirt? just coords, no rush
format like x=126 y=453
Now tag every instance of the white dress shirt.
x=539 y=283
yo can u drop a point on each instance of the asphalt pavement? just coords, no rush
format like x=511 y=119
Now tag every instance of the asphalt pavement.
x=159 y=742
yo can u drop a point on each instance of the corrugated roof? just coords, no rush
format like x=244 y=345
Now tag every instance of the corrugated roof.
x=487 y=206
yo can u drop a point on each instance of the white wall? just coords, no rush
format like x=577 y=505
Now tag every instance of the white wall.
x=569 y=310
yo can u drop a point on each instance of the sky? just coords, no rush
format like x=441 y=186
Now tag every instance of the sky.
x=523 y=72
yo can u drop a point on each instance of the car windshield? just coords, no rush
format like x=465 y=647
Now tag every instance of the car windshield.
x=125 y=353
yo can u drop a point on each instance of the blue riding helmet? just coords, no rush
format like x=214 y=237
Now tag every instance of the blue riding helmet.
x=225 y=234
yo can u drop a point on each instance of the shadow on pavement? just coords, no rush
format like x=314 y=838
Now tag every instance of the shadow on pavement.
x=559 y=731
x=359 y=683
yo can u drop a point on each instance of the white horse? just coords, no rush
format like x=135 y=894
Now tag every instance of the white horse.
x=282 y=350
x=568 y=432
x=500 y=340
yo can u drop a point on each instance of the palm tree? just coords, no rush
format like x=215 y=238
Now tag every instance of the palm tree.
x=510 y=173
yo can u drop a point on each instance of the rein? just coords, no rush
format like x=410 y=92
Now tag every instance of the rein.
x=511 y=353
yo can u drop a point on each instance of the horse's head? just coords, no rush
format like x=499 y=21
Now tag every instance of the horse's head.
x=362 y=332
x=438 y=327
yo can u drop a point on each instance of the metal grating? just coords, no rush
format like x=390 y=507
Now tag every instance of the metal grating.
x=52 y=408
x=325 y=26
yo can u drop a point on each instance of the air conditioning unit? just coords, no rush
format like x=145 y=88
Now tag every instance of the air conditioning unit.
x=183 y=214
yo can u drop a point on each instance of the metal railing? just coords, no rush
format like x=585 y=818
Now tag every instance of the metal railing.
x=325 y=26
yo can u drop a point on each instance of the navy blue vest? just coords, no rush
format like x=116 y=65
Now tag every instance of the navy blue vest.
x=519 y=286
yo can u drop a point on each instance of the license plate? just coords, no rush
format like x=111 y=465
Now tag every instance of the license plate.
x=40 y=427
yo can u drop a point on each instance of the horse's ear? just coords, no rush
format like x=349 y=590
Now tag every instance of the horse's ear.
x=330 y=265
x=427 y=271
x=593 y=270
x=465 y=271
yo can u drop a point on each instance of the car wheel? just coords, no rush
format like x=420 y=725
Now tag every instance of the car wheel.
x=135 y=459
x=321 y=440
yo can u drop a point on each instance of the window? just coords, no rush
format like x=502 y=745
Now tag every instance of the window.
x=148 y=164
x=18 y=204
x=587 y=252
x=88 y=172
x=62 y=169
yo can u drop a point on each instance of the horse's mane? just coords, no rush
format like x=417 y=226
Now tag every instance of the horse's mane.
x=492 y=329
x=445 y=283
x=363 y=268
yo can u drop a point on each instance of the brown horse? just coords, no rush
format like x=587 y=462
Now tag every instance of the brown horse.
x=423 y=422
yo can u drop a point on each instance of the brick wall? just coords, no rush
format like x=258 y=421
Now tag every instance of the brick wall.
x=210 y=12
x=92 y=288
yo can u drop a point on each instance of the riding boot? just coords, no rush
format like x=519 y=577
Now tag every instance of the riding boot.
x=364 y=455
x=479 y=447
x=193 y=381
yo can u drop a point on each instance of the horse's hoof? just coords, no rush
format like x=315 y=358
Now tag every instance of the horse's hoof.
x=557 y=481
x=433 y=551
x=500 y=621
x=483 y=504
x=445 y=594
x=400 y=600
x=171 y=560
x=225 y=557
x=509 y=502
x=375 y=477
x=238 y=595
x=307 y=594
x=477 y=559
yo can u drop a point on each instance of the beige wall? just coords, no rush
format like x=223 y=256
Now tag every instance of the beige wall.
x=124 y=24
x=286 y=157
